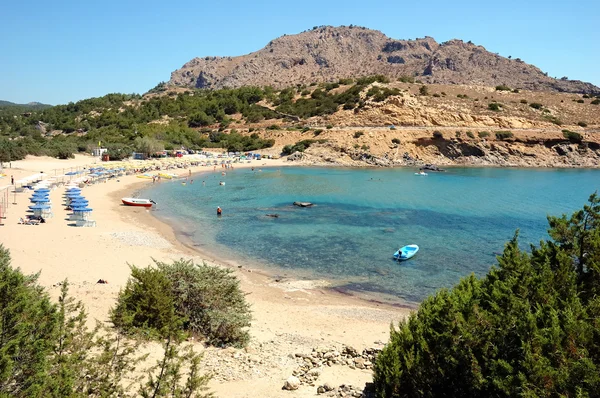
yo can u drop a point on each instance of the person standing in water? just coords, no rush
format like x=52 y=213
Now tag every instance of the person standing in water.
x=219 y=212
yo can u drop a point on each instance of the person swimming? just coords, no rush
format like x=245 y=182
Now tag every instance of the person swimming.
x=219 y=211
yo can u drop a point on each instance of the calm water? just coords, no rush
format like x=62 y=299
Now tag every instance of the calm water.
x=460 y=219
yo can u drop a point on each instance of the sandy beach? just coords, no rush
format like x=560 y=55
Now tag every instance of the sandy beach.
x=289 y=317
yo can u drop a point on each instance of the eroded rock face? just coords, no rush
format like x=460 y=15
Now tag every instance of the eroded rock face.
x=328 y=53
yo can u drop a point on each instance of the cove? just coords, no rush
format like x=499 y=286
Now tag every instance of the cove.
x=461 y=220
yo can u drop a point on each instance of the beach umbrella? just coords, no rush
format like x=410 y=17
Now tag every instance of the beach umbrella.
x=42 y=190
x=39 y=195
x=39 y=200
x=78 y=203
x=39 y=207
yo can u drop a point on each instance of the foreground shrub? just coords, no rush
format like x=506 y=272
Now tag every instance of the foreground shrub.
x=470 y=134
x=483 y=134
x=503 y=87
x=205 y=301
x=530 y=328
x=358 y=134
x=46 y=350
x=395 y=141
x=582 y=124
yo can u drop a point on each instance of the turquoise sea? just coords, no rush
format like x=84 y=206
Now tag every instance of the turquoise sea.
x=461 y=220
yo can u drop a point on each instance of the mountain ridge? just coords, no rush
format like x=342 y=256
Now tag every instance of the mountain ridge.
x=328 y=53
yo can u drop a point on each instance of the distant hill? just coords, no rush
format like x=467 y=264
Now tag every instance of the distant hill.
x=32 y=105
x=330 y=53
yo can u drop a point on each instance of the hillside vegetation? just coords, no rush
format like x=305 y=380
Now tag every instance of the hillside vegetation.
x=253 y=118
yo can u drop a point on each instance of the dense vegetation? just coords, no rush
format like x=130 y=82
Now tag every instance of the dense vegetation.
x=205 y=301
x=120 y=119
x=530 y=328
x=46 y=350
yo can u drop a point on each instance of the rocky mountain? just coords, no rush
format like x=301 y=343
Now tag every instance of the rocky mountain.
x=330 y=53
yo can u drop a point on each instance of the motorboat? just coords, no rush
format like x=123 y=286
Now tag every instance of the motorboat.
x=421 y=173
x=406 y=252
x=138 y=202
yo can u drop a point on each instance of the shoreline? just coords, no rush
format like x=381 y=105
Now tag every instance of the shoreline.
x=289 y=317
x=257 y=273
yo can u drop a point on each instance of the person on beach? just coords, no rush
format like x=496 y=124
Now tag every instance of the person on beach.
x=12 y=180
x=190 y=173
x=203 y=183
x=219 y=212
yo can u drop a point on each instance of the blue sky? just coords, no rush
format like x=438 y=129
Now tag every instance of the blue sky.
x=60 y=51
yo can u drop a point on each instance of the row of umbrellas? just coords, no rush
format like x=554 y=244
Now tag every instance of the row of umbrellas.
x=77 y=203
x=41 y=202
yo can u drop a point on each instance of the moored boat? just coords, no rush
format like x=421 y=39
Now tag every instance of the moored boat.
x=138 y=202
x=406 y=252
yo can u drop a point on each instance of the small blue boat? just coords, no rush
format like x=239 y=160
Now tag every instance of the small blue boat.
x=406 y=252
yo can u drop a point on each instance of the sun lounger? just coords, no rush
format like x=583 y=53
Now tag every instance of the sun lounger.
x=28 y=222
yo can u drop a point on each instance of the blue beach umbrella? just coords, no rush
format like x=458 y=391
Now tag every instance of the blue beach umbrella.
x=42 y=190
x=39 y=207
x=39 y=200
x=81 y=209
x=41 y=195
x=71 y=189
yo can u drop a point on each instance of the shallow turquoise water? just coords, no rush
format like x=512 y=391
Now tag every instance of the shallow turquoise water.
x=460 y=219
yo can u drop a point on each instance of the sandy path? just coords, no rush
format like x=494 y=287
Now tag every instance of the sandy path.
x=286 y=321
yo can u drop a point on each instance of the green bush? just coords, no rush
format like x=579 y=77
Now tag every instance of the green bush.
x=365 y=147
x=516 y=91
x=470 y=134
x=358 y=134
x=458 y=134
x=438 y=135
x=406 y=79
x=300 y=146
x=483 y=134
x=503 y=87
x=436 y=95
x=554 y=119
x=536 y=105
x=582 y=124
x=523 y=101
x=462 y=96
x=595 y=102
x=572 y=136
x=273 y=127
x=46 y=349
x=423 y=90
x=329 y=126
x=395 y=141
x=205 y=301
x=318 y=131
x=503 y=135
x=580 y=101
x=529 y=328
x=494 y=106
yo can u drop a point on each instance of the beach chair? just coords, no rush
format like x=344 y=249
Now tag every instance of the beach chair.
x=28 y=222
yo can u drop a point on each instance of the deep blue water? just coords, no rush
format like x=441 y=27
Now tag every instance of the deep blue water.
x=460 y=219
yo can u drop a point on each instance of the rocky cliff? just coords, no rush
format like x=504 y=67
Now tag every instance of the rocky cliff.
x=330 y=53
